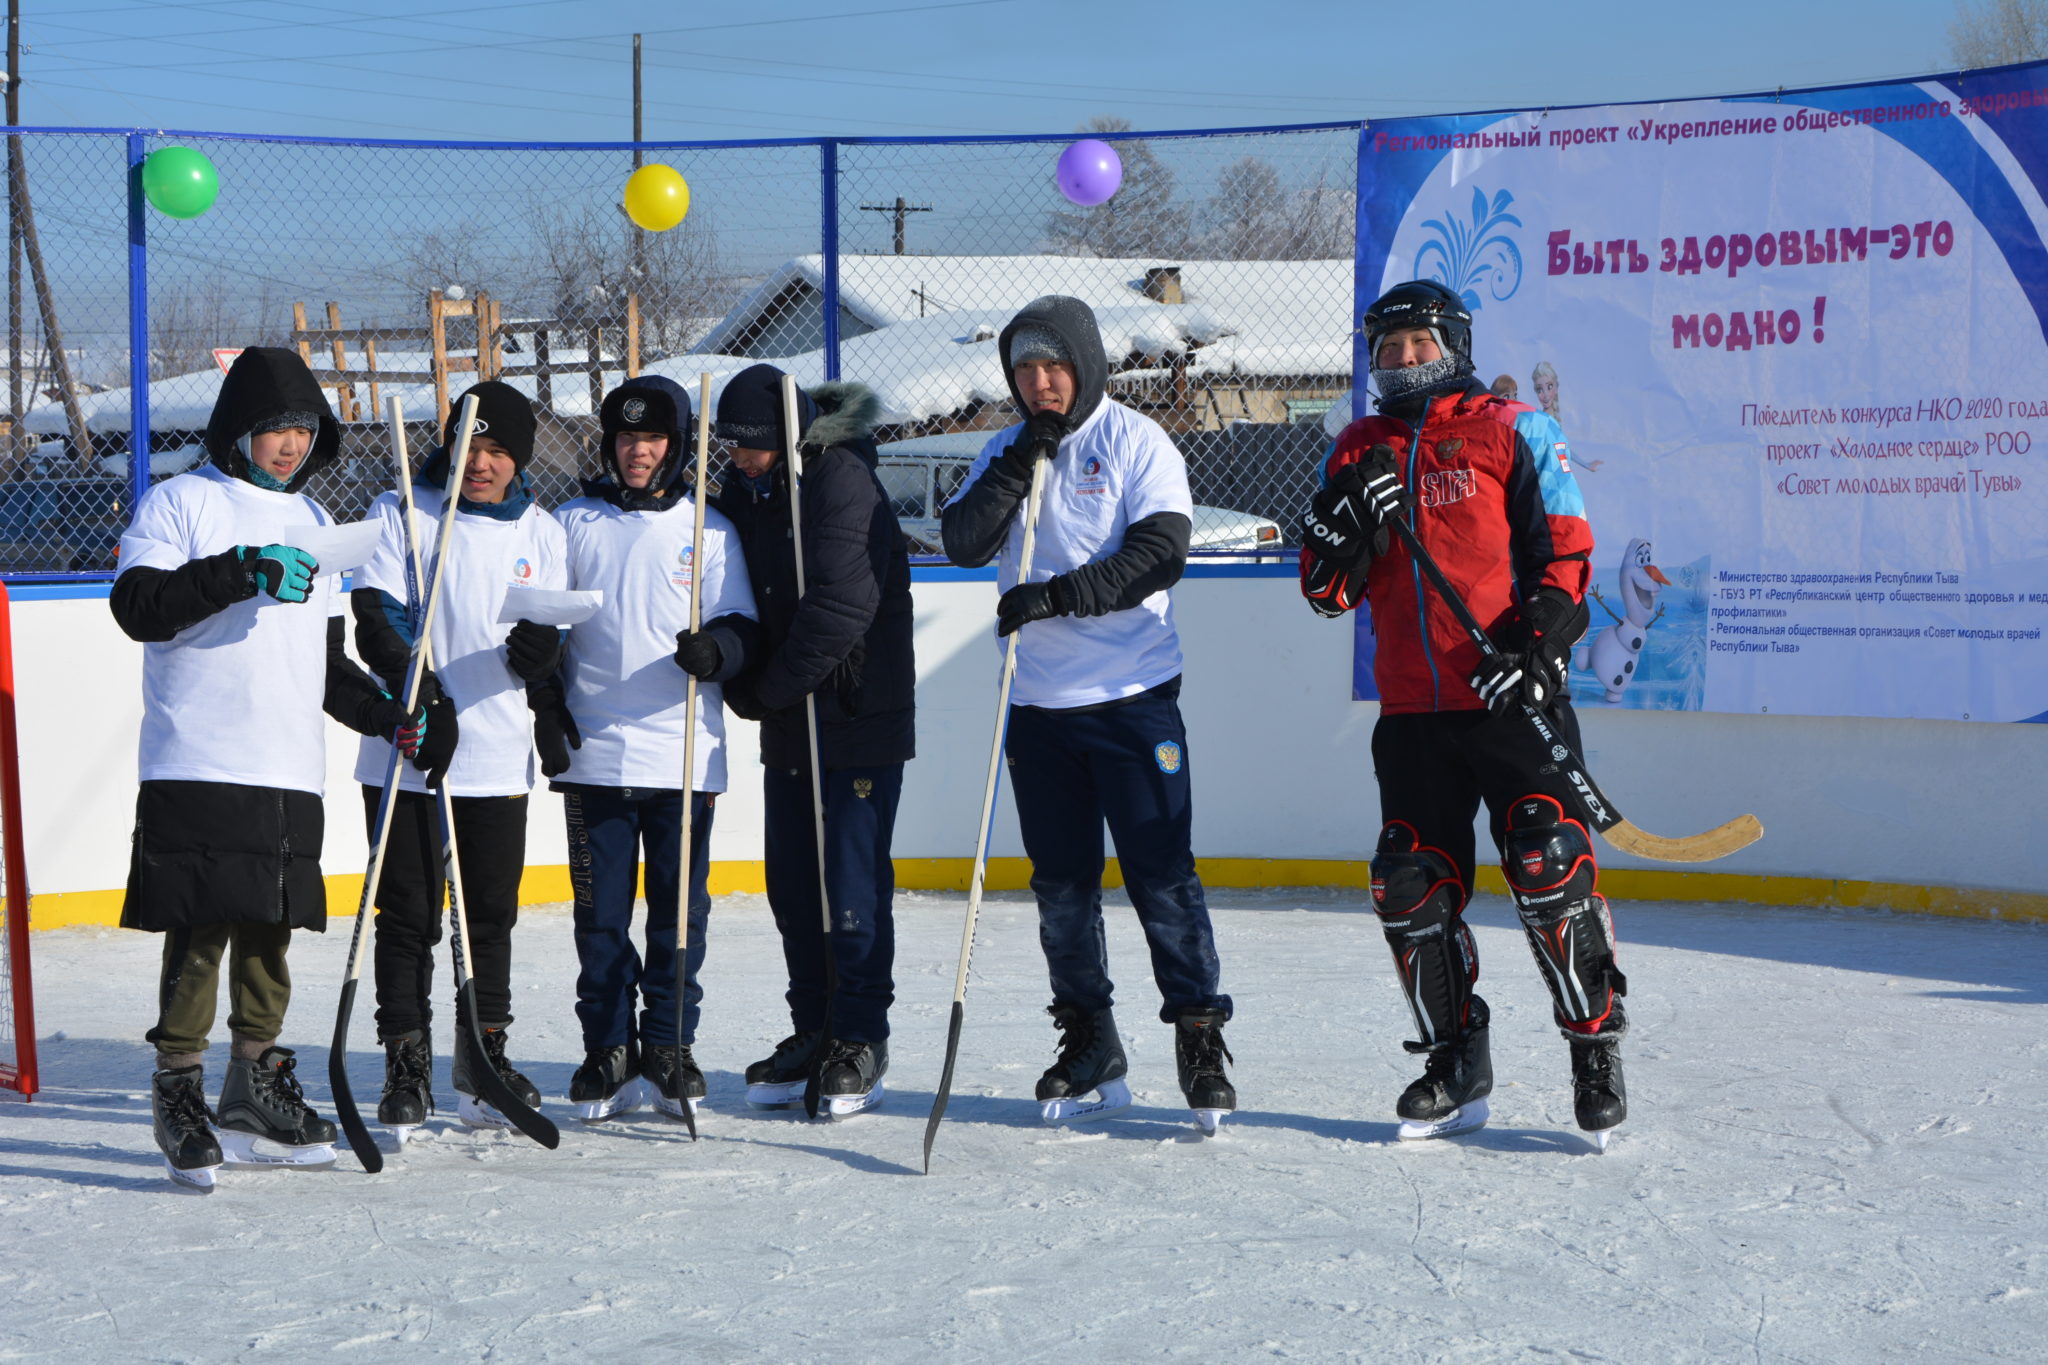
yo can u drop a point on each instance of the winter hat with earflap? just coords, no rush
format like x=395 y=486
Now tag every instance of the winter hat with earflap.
x=652 y=403
x=750 y=410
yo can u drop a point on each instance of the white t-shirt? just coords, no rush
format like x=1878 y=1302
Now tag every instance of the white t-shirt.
x=235 y=698
x=625 y=690
x=1120 y=467
x=494 y=756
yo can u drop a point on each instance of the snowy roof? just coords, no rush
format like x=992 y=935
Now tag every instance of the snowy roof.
x=1259 y=319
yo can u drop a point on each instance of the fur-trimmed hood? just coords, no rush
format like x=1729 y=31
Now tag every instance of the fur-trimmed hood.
x=847 y=415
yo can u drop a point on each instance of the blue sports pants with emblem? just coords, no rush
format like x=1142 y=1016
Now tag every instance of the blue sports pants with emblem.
x=1126 y=763
x=860 y=879
x=613 y=831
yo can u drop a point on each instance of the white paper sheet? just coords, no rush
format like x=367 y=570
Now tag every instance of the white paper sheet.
x=339 y=548
x=546 y=608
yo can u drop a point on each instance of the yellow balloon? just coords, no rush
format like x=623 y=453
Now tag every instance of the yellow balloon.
x=657 y=197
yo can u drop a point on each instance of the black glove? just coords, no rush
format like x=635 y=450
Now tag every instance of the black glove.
x=389 y=718
x=1534 y=650
x=554 y=729
x=437 y=746
x=1031 y=602
x=533 y=651
x=1040 y=440
x=1346 y=522
x=698 y=654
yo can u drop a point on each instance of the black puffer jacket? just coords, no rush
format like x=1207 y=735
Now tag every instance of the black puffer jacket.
x=848 y=637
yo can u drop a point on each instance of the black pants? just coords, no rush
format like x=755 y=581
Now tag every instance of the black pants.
x=1435 y=768
x=860 y=820
x=490 y=841
x=1125 y=763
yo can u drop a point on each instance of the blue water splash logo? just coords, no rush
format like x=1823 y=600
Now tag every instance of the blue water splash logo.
x=1475 y=256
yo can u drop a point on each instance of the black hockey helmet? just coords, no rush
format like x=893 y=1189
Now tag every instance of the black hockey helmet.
x=1421 y=303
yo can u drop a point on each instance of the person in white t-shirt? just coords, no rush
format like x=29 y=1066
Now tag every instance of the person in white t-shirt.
x=1094 y=728
x=503 y=544
x=242 y=649
x=624 y=715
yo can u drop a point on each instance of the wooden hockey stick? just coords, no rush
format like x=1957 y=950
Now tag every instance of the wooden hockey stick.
x=684 y=868
x=1704 y=847
x=359 y=1139
x=490 y=1085
x=988 y=807
x=793 y=452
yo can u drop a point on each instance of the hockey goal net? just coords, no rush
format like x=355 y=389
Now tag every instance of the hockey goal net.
x=17 y=1012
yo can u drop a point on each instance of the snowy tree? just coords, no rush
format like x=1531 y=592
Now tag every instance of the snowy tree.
x=1997 y=32
x=1248 y=213
x=1140 y=219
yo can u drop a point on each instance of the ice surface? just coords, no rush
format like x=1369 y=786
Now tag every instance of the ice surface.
x=1839 y=1131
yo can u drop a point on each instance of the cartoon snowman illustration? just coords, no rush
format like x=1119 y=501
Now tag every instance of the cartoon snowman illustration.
x=1611 y=655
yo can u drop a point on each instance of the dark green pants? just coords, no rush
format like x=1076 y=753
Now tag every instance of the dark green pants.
x=259 y=983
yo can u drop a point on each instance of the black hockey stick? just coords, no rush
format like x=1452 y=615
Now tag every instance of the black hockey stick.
x=359 y=1139
x=988 y=807
x=1706 y=846
x=490 y=1085
x=792 y=444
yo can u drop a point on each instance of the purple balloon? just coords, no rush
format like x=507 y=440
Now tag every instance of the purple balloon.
x=1090 y=172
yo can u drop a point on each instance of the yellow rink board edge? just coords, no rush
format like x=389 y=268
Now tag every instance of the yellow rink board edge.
x=542 y=885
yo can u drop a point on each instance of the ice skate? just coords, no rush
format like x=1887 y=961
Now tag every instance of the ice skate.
x=1599 y=1100
x=674 y=1077
x=777 y=1081
x=263 y=1119
x=177 y=1099
x=408 y=1084
x=1450 y=1098
x=1087 y=1080
x=469 y=1108
x=607 y=1084
x=852 y=1078
x=1200 y=1052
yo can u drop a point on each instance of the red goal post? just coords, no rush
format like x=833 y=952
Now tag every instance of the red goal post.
x=17 y=1008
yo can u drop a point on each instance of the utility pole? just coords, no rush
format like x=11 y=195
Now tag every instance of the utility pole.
x=639 y=233
x=22 y=220
x=899 y=209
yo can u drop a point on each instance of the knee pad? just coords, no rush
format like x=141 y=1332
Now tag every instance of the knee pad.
x=1420 y=900
x=1548 y=860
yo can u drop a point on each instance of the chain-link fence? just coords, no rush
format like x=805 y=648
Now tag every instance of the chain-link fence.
x=1221 y=272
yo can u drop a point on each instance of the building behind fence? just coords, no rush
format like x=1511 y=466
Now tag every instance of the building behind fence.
x=1222 y=272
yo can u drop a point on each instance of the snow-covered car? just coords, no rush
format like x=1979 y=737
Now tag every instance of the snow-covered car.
x=921 y=474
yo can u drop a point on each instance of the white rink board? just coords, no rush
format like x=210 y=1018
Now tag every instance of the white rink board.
x=1280 y=756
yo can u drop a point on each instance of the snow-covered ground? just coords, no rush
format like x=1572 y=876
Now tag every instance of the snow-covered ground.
x=1837 y=1154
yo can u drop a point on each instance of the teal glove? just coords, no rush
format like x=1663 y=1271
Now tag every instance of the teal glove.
x=280 y=571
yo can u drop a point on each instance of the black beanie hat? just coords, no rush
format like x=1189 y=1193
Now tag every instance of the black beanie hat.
x=750 y=409
x=503 y=413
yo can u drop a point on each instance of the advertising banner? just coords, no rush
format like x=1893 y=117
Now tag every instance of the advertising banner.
x=1799 y=345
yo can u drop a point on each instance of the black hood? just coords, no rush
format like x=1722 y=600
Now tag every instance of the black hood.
x=264 y=382
x=1073 y=322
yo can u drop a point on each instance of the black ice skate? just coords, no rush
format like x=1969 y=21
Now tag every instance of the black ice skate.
x=1091 y=1063
x=674 y=1076
x=852 y=1079
x=470 y=1109
x=183 y=1129
x=777 y=1081
x=1599 y=1099
x=408 y=1083
x=607 y=1083
x=1199 y=1049
x=1451 y=1096
x=263 y=1119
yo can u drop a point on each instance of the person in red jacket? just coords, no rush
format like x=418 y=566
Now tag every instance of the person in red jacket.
x=1486 y=485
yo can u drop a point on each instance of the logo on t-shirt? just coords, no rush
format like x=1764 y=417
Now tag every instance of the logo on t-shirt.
x=522 y=570
x=1167 y=756
x=684 y=572
x=1093 y=480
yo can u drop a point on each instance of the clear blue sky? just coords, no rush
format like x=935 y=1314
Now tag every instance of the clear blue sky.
x=559 y=69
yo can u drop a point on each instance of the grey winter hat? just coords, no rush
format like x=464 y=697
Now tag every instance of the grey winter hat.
x=1031 y=342
x=286 y=421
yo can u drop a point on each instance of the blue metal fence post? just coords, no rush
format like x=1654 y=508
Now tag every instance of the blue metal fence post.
x=828 y=169
x=138 y=328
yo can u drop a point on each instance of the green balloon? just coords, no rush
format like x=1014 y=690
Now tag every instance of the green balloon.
x=181 y=183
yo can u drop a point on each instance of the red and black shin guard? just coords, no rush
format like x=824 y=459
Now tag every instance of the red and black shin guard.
x=1421 y=902
x=1548 y=859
